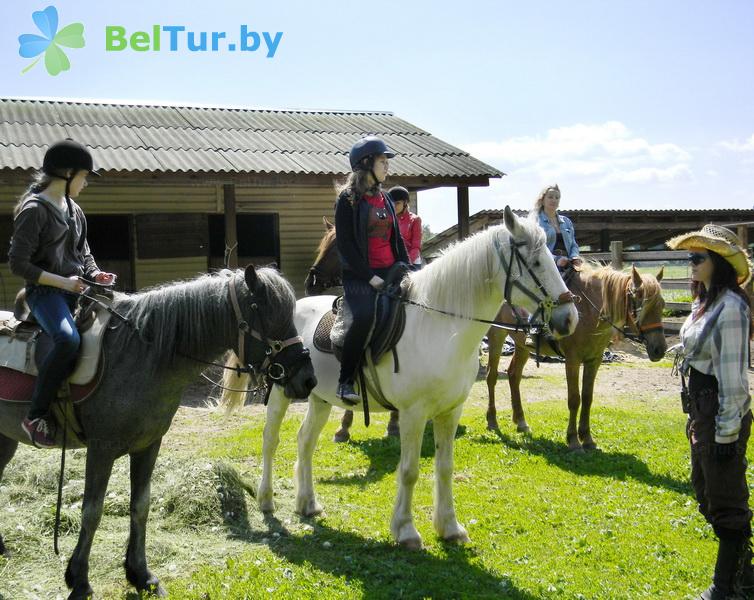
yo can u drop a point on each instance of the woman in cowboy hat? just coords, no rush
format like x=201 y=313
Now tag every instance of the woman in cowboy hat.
x=50 y=251
x=715 y=355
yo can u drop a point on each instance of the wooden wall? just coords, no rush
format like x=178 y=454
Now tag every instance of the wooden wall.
x=299 y=209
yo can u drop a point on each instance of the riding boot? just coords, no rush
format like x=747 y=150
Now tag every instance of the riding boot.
x=746 y=574
x=730 y=554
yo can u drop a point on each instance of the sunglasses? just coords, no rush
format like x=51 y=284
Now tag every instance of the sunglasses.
x=695 y=258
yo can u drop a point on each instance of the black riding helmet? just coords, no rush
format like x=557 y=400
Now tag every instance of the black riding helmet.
x=398 y=194
x=65 y=155
x=367 y=148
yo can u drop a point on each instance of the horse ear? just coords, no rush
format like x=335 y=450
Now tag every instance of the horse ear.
x=511 y=221
x=251 y=278
x=660 y=273
x=636 y=277
x=327 y=223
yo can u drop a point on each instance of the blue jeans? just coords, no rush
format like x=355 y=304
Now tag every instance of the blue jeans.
x=361 y=300
x=52 y=308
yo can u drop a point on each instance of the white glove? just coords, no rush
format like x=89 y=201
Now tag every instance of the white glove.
x=377 y=282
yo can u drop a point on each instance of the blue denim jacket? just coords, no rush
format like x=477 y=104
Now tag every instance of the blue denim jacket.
x=566 y=229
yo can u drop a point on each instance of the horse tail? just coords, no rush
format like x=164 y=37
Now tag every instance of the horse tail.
x=235 y=385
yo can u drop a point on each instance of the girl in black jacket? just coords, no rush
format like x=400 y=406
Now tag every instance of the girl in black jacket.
x=369 y=243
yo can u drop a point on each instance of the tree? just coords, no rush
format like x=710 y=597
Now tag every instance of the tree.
x=426 y=233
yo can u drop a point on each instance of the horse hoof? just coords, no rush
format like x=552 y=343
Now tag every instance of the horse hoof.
x=85 y=592
x=523 y=428
x=413 y=543
x=460 y=536
x=267 y=506
x=310 y=509
x=493 y=426
x=153 y=588
x=341 y=436
x=589 y=446
x=576 y=449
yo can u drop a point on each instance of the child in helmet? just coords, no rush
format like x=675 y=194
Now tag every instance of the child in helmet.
x=369 y=243
x=50 y=251
x=410 y=225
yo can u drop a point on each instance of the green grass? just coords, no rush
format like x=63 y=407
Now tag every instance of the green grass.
x=545 y=523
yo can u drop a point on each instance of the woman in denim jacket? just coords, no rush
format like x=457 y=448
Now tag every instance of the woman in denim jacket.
x=561 y=238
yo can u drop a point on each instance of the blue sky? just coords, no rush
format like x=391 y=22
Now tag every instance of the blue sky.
x=626 y=104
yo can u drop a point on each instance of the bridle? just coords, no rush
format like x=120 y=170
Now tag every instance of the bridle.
x=272 y=367
x=316 y=273
x=634 y=317
x=545 y=304
x=633 y=329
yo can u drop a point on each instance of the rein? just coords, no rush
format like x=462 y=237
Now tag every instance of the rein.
x=636 y=330
x=545 y=305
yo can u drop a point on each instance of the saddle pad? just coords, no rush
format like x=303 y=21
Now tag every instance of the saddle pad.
x=18 y=387
x=17 y=351
x=322 y=341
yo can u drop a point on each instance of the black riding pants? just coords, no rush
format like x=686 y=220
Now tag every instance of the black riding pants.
x=361 y=299
x=720 y=488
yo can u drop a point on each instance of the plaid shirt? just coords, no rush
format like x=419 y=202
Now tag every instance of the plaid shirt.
x=717 y=343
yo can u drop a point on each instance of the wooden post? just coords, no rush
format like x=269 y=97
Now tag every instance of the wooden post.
x=231 y=236
x=743 y=235
x=604 y=240
x=616 y=249
x=463 y=211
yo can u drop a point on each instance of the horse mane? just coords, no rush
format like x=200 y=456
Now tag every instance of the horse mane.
x=615 y=286
x=186 y=316
x=467 y=269
x=325 y=244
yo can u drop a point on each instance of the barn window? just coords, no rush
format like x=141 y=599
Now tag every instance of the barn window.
x=258 y=239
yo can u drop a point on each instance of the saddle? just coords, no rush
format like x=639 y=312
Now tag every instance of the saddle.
x=24 y=346
x=387 y=326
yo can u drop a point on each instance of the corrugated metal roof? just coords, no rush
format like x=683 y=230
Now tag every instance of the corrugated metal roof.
x=196 y=139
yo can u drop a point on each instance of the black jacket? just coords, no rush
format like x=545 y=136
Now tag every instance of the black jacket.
x=45 y=239
x=353 y=240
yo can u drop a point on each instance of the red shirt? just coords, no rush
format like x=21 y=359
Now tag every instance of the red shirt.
x=379 y=232
x=411 y=232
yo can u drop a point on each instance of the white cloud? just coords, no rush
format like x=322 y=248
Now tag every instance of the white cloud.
x=603 y=153
x=737 y=146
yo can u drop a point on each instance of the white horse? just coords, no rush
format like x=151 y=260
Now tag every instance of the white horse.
x=471 y=279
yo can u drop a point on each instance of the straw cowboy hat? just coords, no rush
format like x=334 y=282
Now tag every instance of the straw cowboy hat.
x=720 y=240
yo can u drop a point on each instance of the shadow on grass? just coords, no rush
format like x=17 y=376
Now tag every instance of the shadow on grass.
x=384 y=454
x=385 y=570
x=618 y=465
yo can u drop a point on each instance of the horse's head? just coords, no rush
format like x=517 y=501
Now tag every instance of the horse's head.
x=644 y=312
x=532 y=278
x=326 y=271
x=267 y=334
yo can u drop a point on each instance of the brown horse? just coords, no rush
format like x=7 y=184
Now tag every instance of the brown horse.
x=325 y=273
x=610 y=300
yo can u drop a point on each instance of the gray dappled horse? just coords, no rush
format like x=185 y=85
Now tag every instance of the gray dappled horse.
x=179 y=325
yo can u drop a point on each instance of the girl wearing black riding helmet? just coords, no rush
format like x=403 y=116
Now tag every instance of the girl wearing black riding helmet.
x=50 y=251
x=369 y=243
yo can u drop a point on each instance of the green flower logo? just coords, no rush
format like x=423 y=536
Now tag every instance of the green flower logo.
x=48 y=44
